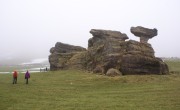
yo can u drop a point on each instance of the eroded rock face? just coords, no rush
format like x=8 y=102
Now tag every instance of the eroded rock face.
x=61 y=54
x=109 y=49
x=137 y=48
x=105 y=33
x=66 y=48
x=144 y=33
x=104 y=49
x=139 y=64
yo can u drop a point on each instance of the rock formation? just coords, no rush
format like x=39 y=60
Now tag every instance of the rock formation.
x=61 y=54
x=108 y=52
x=104 y=49
x=144 y=33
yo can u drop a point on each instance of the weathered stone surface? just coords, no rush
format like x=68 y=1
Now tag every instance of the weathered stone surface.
x=141 y=31
x=52 y=50
x=144 y=33
x=137 y=48
x=113 y=72
x=99 y=33
x=66 y=48
x=164 y=67
x=104 y=49
x=77 y=61
x=139 y=64
x=98 y=70
x=62 y=55
x=53 y=60
x=59 y=60
x=108 y=49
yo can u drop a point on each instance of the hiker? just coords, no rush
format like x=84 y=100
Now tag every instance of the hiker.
x=46 y=69
x=15 y=77
x=27 y=76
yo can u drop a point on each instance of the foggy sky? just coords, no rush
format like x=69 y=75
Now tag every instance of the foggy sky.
x=29 y=28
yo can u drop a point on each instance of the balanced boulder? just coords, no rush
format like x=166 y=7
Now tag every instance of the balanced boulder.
x=144 y=33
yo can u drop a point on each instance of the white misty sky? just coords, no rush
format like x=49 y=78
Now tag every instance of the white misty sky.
x=29 y=28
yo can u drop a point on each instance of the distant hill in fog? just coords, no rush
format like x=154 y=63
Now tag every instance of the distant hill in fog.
x=20 y=61
x=171 y=58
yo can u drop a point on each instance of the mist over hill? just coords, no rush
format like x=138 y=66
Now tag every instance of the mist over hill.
x=23 y=61
x=171 y=58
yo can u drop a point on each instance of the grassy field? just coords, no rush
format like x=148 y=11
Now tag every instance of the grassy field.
x=78 y=90
x=174 y=66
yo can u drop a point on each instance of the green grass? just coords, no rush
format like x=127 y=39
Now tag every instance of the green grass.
x=78 y=90
x=174 y=66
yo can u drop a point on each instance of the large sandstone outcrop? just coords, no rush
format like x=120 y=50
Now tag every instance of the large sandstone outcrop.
x=109 y=49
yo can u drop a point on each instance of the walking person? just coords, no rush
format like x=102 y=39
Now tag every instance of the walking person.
x=27 y=76
x=15 y=74
x=46 y=69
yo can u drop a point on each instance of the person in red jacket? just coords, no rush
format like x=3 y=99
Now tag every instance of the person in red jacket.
x=15 y=74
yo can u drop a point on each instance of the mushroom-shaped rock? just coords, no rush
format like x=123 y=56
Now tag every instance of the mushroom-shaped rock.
x=144 y=33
